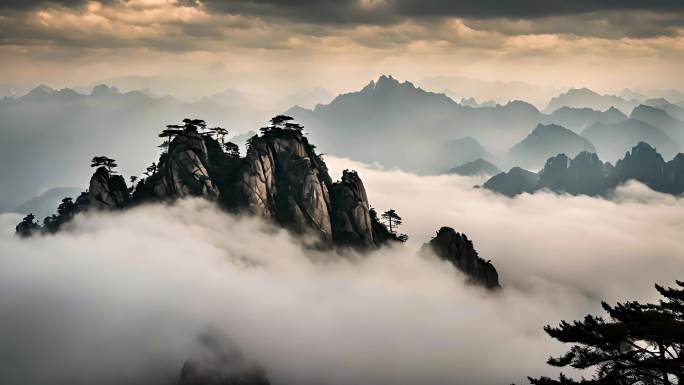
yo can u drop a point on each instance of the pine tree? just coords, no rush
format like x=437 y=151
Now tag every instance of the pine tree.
x=637 y=344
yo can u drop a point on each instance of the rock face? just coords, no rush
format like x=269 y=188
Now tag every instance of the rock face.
x=352 y=222
x=286 y=181
x=587 y=174
x=107 y=191
x=185 y=170
x=458 y=249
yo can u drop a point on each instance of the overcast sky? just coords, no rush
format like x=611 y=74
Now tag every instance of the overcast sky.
x=342 y=44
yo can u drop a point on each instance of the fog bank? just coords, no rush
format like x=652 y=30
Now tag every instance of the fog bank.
x=122 y=298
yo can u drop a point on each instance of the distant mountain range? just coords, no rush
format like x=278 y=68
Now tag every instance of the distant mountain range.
x=584 y=97
x=587 y=174
x=393 y=123
x=611 y=140
x=404 y=126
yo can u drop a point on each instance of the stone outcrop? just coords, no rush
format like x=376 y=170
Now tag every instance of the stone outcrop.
x=107 y=191
x=184 y=170
x=285 y=180
x=458 y=249
x=280 y=179
x=352 y=222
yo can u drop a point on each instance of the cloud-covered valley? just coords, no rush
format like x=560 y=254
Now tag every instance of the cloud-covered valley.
x=122 y=297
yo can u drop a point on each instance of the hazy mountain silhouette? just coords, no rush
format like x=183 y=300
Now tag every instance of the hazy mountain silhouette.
x=515 y=181
x=497 y=91
x=37 y=127
x=44 y=204
x=477 y=167
x=584 y=97
x=674 y=110
x=545 y=141
x=613 y=140
x=466 y=149
x=577 y=119
x=587 y=174
x=629 y=94
x=657 y=117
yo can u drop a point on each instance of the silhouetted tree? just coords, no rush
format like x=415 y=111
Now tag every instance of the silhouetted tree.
x=100 y=161
x=232 y=150
x=402 y=237
x=637 y=344
x=220 y=134
x=170 y=132
x=392 y=220
x=151 y=170
x=66 y=208
x=132 y=186
x=281 y=122
x=196 y=125
x=27 y=226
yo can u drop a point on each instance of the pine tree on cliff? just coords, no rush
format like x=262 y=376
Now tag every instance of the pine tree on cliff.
x=171 y=131
x=232 y=150
x=220 y=133
x=103 y=161
x=392 y=220
x=637 y=344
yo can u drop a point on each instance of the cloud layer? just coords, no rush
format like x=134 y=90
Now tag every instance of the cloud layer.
x=63 y=41
x=121 y=298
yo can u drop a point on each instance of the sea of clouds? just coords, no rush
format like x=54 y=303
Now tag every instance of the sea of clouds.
x=122 y=298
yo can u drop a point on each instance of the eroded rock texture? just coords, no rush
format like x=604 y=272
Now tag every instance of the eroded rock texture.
x=184 y=170
x=283 y=179
x=107 y=191
x=458 y=249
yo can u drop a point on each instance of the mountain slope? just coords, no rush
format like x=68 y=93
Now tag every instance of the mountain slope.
x=657 y=117
x=577 y=119
x=612 y=141
x=584 y=97
x=545 y=141
x=44 y=204
x=477 y=167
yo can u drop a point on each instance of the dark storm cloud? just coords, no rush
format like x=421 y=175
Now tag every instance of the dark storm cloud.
x=603 y=18
x=30 y=4
x=363 y=11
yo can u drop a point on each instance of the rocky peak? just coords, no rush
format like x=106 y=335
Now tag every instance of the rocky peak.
x=352 y=222
x=285 y=180
x=553 y=174
x=458 y=249
x=642 y=163
x=107 y=191
x=183 y=170
x=280 y=179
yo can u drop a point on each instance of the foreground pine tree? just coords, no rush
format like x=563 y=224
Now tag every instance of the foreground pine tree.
x=639 y=344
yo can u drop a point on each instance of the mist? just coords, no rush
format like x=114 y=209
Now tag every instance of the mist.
x=124 y=297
